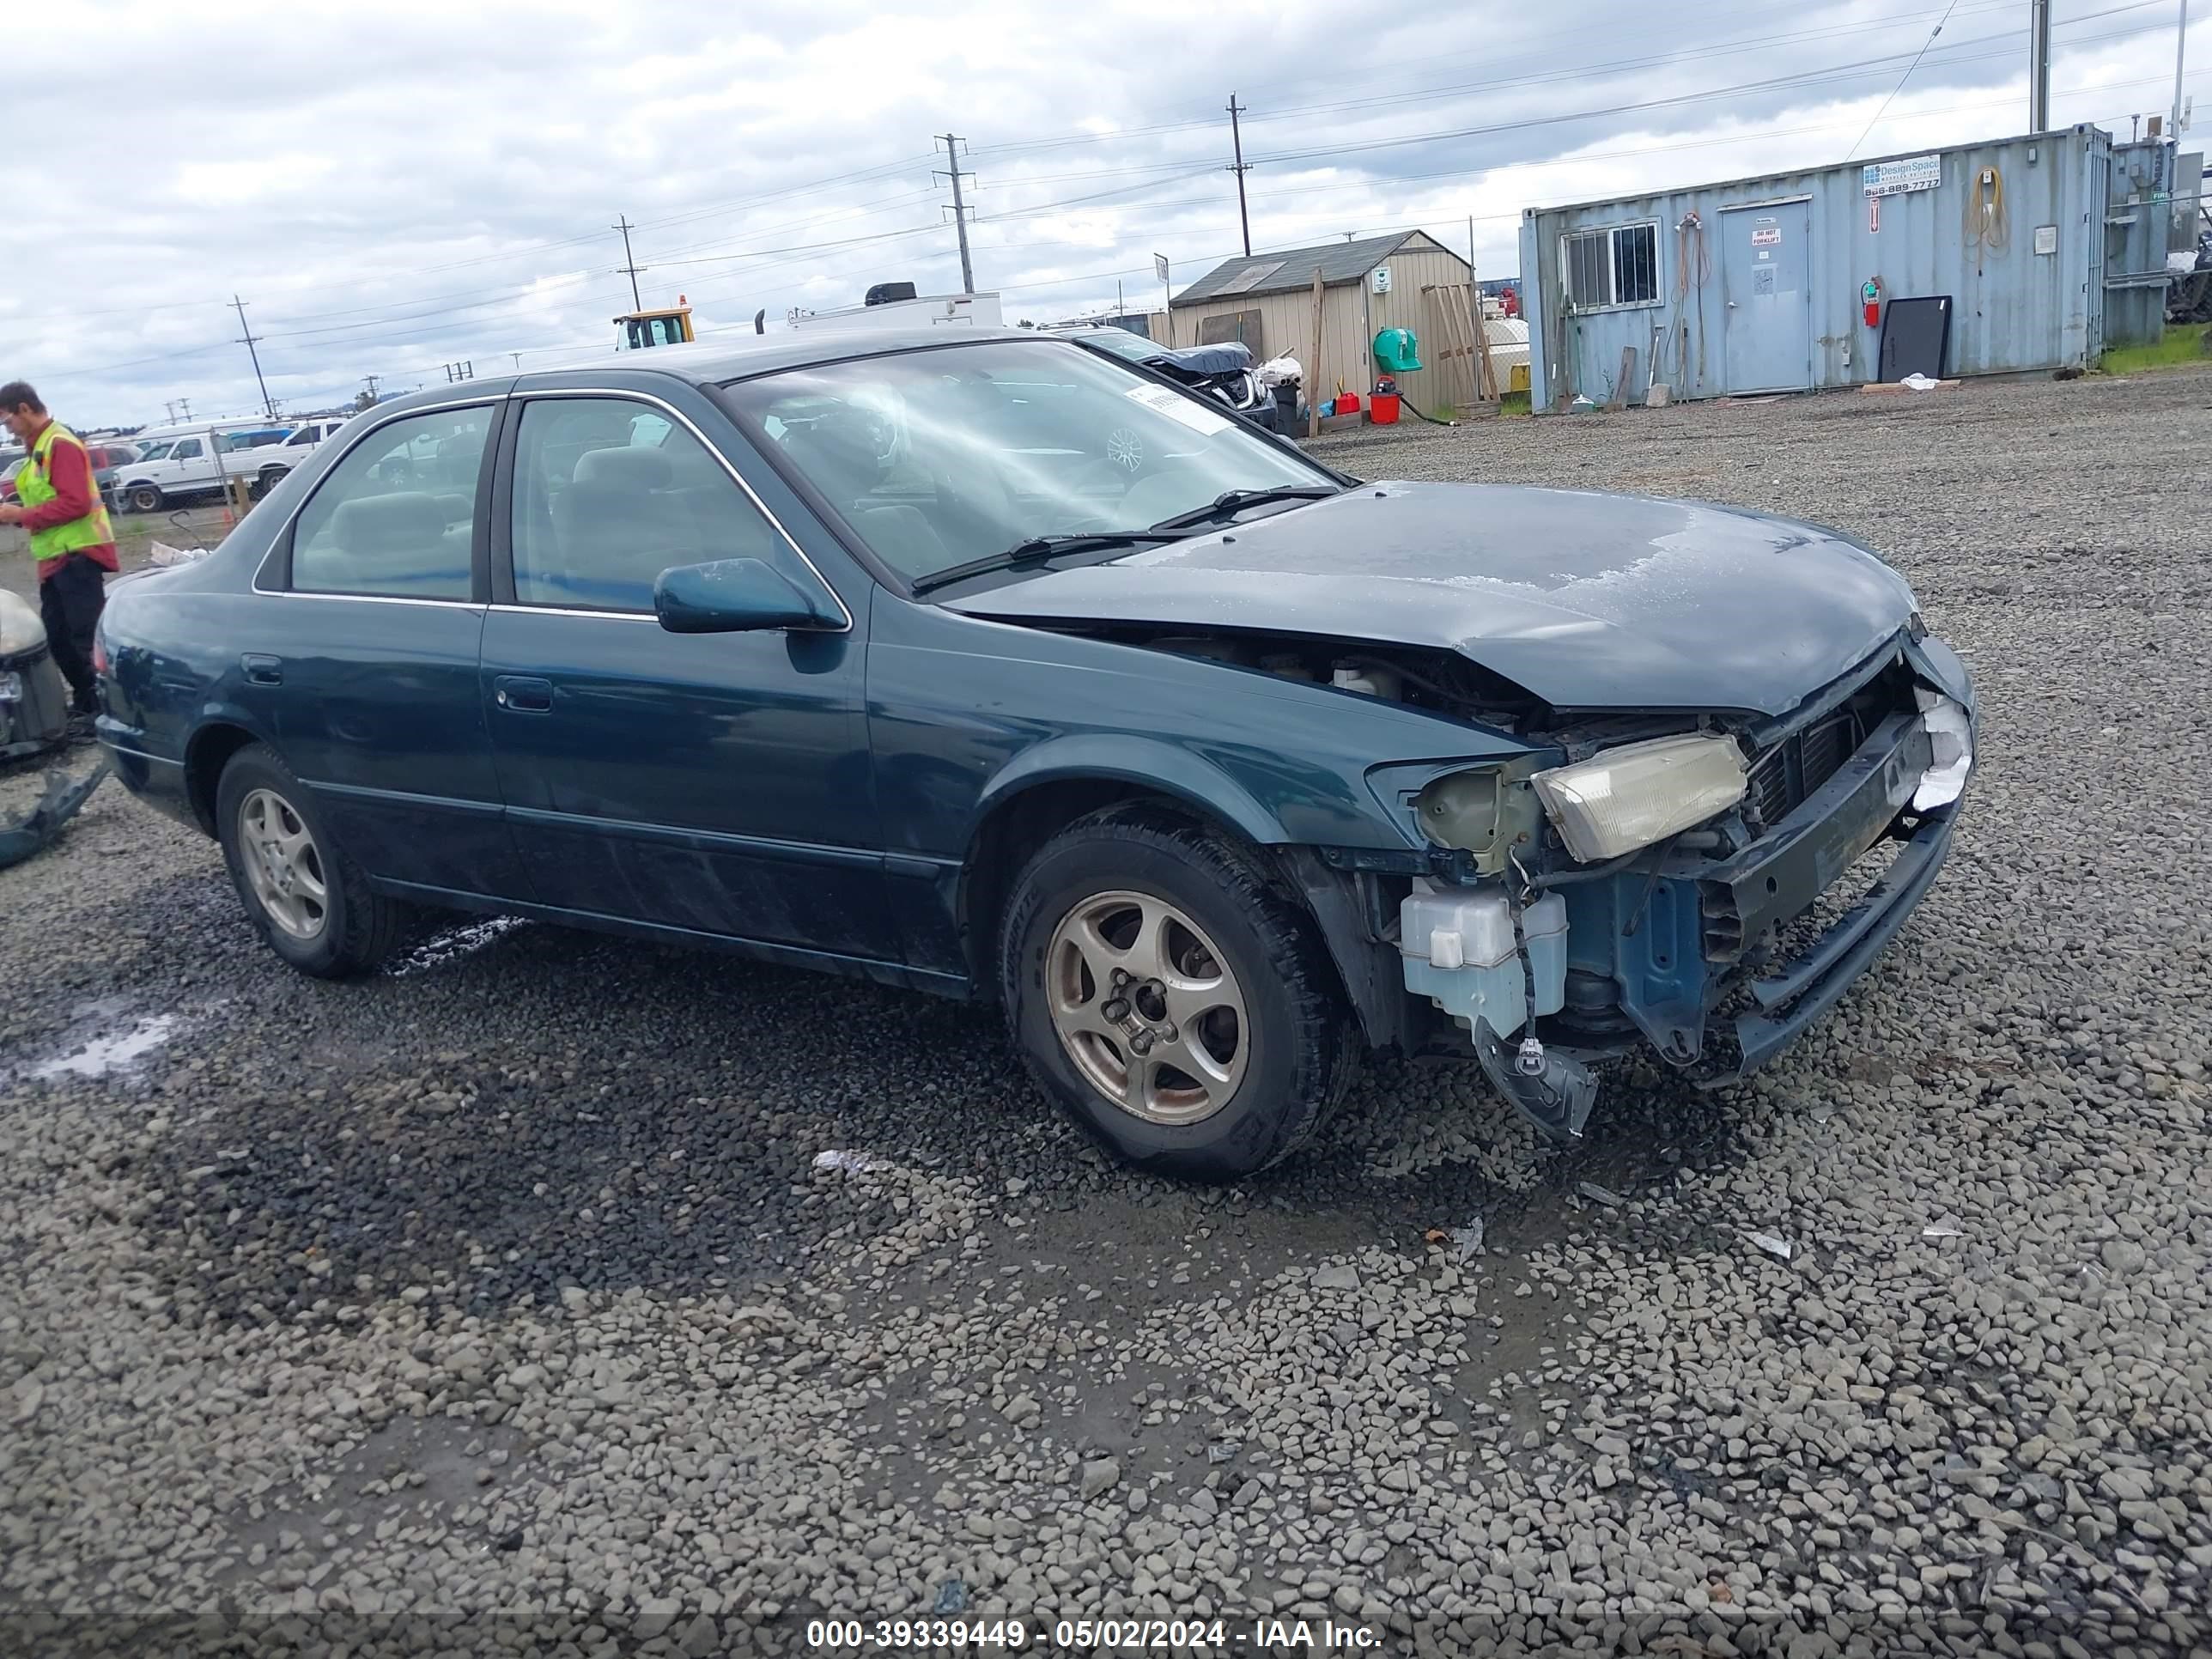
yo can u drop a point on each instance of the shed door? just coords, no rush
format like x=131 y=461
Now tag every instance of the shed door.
x=1766 y=266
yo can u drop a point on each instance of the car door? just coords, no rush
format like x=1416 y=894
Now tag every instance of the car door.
x=716 y=783
x=189 y=466
x=369 y=685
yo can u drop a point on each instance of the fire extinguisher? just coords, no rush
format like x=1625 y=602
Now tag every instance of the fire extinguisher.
x=1871 y=295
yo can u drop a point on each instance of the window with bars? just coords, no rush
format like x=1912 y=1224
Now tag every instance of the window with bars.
x=1615 y=267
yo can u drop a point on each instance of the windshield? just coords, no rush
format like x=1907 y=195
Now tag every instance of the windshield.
x=154 y=452
x=1119 y=341
x=934 y=457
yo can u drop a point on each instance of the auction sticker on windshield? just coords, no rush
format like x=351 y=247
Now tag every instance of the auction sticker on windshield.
x=1195 y=415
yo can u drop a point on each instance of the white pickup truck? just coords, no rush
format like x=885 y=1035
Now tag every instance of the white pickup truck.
x=184 y=469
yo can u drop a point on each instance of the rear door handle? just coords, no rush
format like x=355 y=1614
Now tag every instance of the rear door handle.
x=262 y=670
x=522 y=694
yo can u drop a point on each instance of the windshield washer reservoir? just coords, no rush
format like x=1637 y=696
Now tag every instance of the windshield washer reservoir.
x=1457 y=947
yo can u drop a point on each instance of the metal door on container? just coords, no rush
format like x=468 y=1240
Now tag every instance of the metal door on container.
x=1766 y=282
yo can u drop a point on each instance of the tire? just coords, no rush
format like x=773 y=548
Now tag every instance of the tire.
x=1250 y=963
x=348 y=929
x=145 y=498
x=270 y=478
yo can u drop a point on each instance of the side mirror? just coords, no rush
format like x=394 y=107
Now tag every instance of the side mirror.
x=737 y=596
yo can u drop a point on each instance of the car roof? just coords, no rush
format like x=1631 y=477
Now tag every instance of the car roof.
x=717 y=363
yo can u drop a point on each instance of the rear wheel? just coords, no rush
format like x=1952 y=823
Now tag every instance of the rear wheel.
x=145 y=498
x=1170 y=999
x=303 y=895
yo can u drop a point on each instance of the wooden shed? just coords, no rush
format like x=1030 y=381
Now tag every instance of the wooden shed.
x=1400 y=280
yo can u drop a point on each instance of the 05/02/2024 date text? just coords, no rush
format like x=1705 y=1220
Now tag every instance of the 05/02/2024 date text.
x=841 y=1636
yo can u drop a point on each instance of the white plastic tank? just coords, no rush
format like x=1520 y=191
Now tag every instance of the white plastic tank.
x=1457 y=949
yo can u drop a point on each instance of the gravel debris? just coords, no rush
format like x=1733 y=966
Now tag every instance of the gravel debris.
x=509 y=1301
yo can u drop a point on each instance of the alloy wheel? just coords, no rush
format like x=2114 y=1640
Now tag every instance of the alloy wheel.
x=283 y=865
x=1147 y=1007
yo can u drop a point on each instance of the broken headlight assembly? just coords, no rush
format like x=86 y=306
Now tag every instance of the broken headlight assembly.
x=1488 y=813
x=1638 y=794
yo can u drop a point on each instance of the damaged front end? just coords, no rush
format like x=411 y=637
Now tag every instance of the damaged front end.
x=33 y=697
x=1665 y=894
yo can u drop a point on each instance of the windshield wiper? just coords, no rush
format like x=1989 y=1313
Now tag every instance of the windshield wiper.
x=1232 y=501
x=1031 y=549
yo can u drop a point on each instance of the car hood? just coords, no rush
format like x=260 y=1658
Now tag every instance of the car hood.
x=1587 y=599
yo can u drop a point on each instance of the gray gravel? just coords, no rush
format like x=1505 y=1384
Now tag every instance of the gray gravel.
x=501 y=1301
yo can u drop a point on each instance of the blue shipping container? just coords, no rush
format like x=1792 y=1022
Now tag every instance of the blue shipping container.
x=1755 y=285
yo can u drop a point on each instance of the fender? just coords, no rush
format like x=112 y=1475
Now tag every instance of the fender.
x=1166 y=767
x=214 y=713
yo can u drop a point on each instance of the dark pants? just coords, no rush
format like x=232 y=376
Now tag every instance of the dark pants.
x=71 y=598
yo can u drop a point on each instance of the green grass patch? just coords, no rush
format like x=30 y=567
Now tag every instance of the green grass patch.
x=1513 y=403
x=2183 y=344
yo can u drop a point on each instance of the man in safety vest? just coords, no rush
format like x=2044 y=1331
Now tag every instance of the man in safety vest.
x=70 y=537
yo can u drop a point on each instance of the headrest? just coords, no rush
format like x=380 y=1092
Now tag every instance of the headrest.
x=626 y=468
x=388 y=524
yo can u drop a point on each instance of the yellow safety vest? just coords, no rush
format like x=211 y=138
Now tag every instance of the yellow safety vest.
x=52 y=545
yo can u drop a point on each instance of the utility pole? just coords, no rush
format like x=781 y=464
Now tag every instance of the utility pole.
x=2181 y=53
x=518 y=361
x=368 y=385
x=1240 y=169
x=186 y=403
x=629 y=264
x=2038 y=66
x=247 y=338
x=952 y=143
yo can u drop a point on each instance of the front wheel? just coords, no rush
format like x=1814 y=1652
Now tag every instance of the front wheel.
x=1170 y=999
x=303 y=895
x=145 y=498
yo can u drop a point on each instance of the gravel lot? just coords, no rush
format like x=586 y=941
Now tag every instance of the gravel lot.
x=501 y=1300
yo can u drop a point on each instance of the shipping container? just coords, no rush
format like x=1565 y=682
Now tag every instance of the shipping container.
x=1765 y=284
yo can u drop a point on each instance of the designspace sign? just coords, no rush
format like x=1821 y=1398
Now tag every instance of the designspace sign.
x=1896 y=178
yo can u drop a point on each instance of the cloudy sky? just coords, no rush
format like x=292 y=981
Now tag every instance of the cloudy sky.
x=396 y=185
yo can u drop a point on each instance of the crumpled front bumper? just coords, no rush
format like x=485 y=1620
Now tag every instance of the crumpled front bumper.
x=1711 y=960
x=1793 y=999
x=1775 y=880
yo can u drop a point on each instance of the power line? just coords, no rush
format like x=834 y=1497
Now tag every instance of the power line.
x=1907 y=75
x=1554 y=71
x=1796 y=81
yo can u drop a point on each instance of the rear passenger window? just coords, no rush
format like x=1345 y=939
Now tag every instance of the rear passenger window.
x=396 y=518
x=610 y=493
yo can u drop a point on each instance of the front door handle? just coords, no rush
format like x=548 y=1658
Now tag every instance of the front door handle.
x=522 y=694
x=261 y=670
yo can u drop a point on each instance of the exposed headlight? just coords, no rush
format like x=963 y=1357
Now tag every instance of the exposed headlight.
x=21 y=631
x=1640 y=792
x=1486 y=811
x=1951 y=747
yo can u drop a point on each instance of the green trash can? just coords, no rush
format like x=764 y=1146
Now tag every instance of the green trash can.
x=1396 y=351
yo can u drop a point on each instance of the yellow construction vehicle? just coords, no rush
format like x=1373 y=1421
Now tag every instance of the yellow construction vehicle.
x=670 y=325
